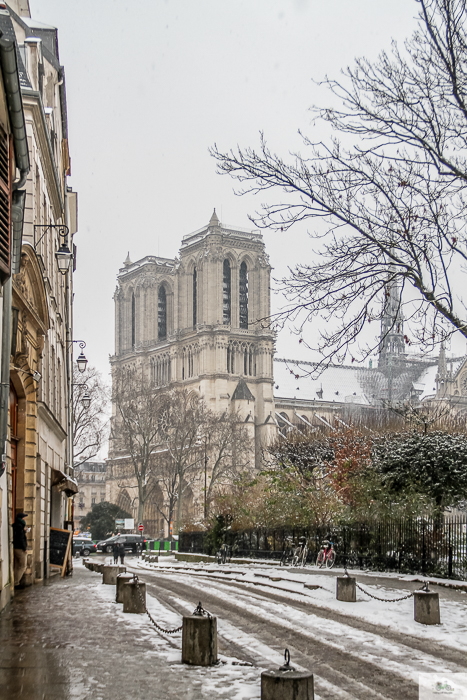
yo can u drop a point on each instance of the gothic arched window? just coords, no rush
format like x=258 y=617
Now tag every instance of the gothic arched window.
x=243 y=295
x=162 y=314
x=195 y=297
x=226 y=294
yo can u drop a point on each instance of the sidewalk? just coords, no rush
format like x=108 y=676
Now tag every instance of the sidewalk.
x=68 y=640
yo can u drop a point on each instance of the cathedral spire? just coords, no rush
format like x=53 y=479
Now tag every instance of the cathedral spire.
x=214 y=219
x=442 y=364
x=128 y=262
x=392 y=347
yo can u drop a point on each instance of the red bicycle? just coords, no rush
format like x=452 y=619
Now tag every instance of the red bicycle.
x=326 y=556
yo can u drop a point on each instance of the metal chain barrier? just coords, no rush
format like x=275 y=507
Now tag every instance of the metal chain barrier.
x=389 y=600
x=158 y=627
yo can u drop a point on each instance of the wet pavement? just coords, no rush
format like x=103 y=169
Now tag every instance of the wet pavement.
x=69 y=640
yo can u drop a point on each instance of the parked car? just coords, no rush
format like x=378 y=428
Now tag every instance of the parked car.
x=83 y=546
x=131 y=542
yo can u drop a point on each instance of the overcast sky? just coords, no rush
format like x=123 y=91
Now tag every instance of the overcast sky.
x=152 y=84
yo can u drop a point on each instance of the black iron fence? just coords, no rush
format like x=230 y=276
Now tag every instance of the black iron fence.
x=435 y=547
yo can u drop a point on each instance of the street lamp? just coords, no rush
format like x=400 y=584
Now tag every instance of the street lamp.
x=63 y=255
x=85 y=399
x=81 y=360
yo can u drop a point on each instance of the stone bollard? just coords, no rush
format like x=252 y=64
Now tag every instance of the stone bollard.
x=121 y=580
x=426 y=607
x=92 y=566
x=286 y=683
x=110 y=573
x=134 y=600
x=199 y=638
x=346 y=589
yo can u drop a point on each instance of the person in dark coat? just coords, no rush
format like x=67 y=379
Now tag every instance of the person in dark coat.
x=121 y=551
x=115 y=551
x=20 y=545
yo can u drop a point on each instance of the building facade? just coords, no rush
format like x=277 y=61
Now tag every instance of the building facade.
x=39 y=453
x=200 y=321
x=91 y=478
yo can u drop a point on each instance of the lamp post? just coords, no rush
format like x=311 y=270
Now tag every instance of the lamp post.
x=81 y=360
x=63 y=256
x=85 y=399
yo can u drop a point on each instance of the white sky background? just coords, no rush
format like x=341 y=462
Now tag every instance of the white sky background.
x=152 y=84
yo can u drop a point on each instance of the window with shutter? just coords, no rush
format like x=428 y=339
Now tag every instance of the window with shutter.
x=5 y=205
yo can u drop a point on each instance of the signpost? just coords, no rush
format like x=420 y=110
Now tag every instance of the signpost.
x=141 y=528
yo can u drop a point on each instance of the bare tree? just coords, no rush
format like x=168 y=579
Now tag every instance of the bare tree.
x=393 y=205
x=179 y=459
x=90 y=423
x=137 y=428
x=228 y=451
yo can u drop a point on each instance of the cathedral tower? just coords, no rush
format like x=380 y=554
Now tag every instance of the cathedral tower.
x=201 y=321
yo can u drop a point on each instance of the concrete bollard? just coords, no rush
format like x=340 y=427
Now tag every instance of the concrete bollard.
x=121 y=580
x=110 y=573
x=286 y=683
x=426 y=607
x=199 y=639
x=346 y=589
x=134 y=600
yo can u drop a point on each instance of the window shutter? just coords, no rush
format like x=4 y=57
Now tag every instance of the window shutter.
x=5 y=205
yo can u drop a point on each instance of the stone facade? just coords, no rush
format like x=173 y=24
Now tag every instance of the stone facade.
x=200 y=321
x=40 y=473
x=91 y=478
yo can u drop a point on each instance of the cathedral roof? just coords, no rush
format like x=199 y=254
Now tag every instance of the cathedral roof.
x=242 y=392
x=339 y=384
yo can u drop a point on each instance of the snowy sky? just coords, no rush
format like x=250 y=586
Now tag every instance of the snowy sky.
x=151 y=85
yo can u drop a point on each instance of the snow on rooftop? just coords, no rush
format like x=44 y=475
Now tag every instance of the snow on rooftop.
x=339 y=384
x=34 y=24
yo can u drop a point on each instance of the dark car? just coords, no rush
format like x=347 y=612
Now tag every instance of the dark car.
x=83 y=546
x=132 y=543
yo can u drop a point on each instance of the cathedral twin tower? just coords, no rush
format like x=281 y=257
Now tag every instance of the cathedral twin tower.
x=201 y=322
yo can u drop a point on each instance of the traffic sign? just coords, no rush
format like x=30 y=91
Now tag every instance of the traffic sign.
x=141 y=527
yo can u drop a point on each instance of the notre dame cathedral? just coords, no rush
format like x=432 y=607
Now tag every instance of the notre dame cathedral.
x=200 y=321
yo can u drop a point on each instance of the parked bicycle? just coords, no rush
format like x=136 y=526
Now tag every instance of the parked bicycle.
x=224 y=554
x=294 y=555
x=327 y=555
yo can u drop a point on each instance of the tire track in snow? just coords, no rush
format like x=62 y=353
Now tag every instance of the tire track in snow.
x=341 y=669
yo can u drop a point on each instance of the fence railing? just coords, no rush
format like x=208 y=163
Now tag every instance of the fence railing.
x=435 y=547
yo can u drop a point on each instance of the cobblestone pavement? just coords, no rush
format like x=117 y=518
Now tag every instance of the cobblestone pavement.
x=68 y=640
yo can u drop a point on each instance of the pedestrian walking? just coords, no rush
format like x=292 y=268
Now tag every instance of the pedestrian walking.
x=121 y=551
x=20 y=545
x=115 y=547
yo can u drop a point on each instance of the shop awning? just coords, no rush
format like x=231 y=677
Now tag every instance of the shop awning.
x=64 y=483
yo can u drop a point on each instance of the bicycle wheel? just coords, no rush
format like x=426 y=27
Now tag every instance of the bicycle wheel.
x=331 y=558
x=320 y=559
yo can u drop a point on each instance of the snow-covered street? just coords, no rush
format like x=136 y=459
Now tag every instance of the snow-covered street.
x=89 y=649
x=367 y=649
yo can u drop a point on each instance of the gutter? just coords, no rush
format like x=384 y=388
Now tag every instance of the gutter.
x=9 y=69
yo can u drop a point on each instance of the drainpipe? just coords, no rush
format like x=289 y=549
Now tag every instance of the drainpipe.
x=9 y=69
